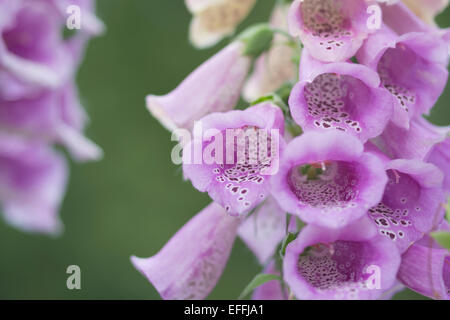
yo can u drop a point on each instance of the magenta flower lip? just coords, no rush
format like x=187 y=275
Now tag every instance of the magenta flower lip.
x=340 y=96
x=335 y=264
x=352 y=182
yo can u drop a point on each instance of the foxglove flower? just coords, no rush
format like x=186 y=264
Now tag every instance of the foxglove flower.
x=33 y=52
x=272 y=289
x=411 y=204
x=53 y=115
x=412 y=67
x=201 y=93
x=339 y=96
x=275 y=67
x=244 y=148
x=32 y=183
x=190 y=264
x=347 y=263
x=425 y=268
x=417 y=142
x=331 y=30
x=263 y=231
x=327 y=179
x=440 y=157
x=215 y=19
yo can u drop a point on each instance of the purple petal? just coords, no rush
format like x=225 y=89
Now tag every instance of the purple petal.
x=200 y=94
x=32 y=183
x=412 y=67
x=411 y=203
x=190 y=264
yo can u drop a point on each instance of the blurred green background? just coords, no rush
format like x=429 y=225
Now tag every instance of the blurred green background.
x=134 y=200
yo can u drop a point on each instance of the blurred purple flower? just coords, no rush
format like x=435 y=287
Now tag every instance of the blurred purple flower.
x=32 y=183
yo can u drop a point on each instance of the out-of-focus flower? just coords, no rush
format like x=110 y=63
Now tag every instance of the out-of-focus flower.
x=52 y=115
x=237 y=177
x=272 y=289
x=33 y=52
x=327 y=179
x=263 y=231
x=425 y=268
x=347 y=263
x=411 y=203
x=275 y=67
x=215 y=19
x=191 y=263
x=339 y=96
x=32 y=183
x=213 y=87
x=39 y=107
x=331 y=30
x=412 y=67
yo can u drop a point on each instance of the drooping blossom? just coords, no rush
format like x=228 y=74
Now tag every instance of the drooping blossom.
x=411 y=204
x=339 y=96
x=425 y=267
x=213 y=87
x=346 y=263
x=412 y=67
x=327 y=179
x=190 y=264
x=275 y=67
x=32 y=183
x=263 y=231
x=236 y=156
x=271 y=290
x=215 y=19
x=331 y=30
